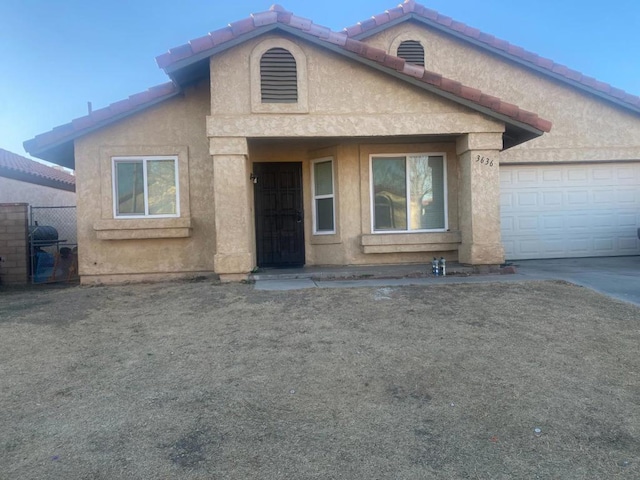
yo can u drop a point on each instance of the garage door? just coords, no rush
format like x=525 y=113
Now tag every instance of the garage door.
x=559 y=211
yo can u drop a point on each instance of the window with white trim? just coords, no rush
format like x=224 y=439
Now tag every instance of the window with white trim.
x=324 y=205
x=145 y=187
x=408 y=193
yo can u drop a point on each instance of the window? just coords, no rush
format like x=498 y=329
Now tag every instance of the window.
x=145 y=187
x=324 y=212
x=278 y=77
x=408 y=193
x=412 y=51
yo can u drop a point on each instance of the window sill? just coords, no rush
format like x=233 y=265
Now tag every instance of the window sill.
x=142 y=228
x=326 y=239
x=410 y=242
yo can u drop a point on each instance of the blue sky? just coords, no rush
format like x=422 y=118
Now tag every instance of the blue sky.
x=58 y=54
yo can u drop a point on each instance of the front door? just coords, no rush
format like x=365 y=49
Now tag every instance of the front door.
x=279 y=214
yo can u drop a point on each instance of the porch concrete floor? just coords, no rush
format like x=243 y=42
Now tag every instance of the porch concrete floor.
x=345 y=272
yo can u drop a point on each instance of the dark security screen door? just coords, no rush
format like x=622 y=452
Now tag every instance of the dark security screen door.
x=279 y=217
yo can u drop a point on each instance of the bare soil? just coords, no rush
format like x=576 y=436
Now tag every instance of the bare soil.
x=205 y=381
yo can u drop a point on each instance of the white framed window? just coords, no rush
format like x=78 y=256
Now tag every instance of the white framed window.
x=324 y=204
x=145 y=187
x=408 y=192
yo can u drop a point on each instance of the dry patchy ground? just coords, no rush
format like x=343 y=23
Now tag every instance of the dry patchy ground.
x=205 y=381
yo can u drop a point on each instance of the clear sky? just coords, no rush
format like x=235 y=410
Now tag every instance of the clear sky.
x=56 y=55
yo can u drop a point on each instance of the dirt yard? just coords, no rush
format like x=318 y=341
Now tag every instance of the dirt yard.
x=205 y=381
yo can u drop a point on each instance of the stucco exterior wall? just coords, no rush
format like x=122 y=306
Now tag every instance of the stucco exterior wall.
x=353 y=200
x=131 y=249
x=16 y=191
x=344 y=99
x=585 y=128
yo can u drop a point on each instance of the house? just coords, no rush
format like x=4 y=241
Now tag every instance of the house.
x=23 y=180
x=25 y=183
x=279 y=142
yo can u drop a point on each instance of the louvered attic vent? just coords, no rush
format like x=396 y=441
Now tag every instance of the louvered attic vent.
x=278 y=77
x=412 y=52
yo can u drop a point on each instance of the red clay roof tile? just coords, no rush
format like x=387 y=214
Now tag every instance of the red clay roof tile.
x=354 y=30
x=240 y=27
x=395 y=63
x=413 y=70
x=264 y=18
x=81 y=125
x=432 y=78
x=221 y=36
x=394 y=13
x=201 y=44
x=381 y=18
x=12 y=162
x=375 y=54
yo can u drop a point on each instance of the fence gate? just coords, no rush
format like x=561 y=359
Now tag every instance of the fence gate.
x=53 y=244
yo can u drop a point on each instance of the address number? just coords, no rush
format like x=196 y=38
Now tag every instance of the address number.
x=484 y=160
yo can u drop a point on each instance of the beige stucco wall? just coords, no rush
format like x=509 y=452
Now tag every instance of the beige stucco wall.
x=344 y=99
x=353 y=217
x=584 y=128
x=16 y=191
x=145 y=249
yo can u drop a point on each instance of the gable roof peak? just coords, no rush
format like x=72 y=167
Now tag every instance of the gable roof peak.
x=412 y=10
x=408 y=5
x=278 y=8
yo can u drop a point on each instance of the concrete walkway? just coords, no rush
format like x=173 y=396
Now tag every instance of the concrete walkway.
x=617 y=277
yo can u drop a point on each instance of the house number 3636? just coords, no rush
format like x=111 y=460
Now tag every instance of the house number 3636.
x=484 y=160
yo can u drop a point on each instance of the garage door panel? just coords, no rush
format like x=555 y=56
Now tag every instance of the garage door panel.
x=555 y=211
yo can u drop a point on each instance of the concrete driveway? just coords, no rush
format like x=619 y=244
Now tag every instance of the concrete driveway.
x=617 y=277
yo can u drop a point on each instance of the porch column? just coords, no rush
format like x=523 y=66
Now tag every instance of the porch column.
x=479 y=198
x=233 y=197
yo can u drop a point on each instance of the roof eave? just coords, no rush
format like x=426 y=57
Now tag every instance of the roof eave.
x=36 y=179
x=181 y=70
x=61 y=152
x=521 y=61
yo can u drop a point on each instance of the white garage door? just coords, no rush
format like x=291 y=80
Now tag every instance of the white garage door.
x=559 y=211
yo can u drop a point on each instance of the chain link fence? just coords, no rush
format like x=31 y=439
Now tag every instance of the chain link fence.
x=53 y=244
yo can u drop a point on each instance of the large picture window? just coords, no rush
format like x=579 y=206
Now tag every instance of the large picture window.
x=145 y=187
x=323 y=197
x=408 y=193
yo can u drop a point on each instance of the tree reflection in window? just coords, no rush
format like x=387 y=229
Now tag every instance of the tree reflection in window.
x=146 y=186
x=408 y=193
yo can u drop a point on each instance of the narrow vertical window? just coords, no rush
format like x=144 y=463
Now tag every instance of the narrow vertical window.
x=145 y=187
x=412 y=51
x=278 y=77
x=323 y=197
x=408 y=193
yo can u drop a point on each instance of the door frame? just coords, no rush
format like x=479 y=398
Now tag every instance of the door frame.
x=259 y=170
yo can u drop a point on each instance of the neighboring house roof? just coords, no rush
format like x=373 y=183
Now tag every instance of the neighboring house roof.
x=23 y=169
x=57 y=145
x=410 y=10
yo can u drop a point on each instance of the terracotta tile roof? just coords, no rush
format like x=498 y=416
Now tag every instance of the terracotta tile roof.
x=410 y=8
x=56 y=145
x=101 y=117
x=278 y=15
x=18 y=167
